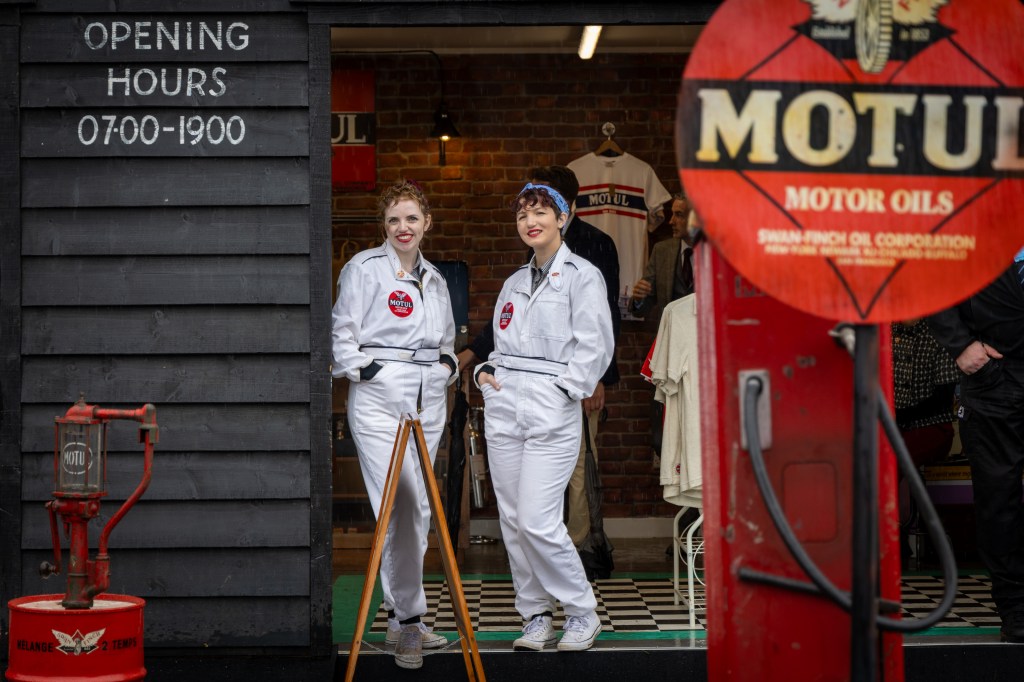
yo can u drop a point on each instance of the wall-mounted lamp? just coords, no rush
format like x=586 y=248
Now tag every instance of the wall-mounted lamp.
x=444 y=130
x=588 y=41
x=444 y=127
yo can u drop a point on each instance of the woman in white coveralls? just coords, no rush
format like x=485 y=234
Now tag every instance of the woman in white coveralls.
x=392 y=338
x=553 y=341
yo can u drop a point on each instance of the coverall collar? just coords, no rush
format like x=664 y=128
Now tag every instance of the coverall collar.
x=554 y=278
x=396 y=264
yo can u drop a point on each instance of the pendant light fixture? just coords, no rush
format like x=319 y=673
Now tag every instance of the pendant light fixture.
x=444 y=127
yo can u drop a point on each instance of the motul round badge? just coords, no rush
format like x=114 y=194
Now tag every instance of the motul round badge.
x=400 y=303
x=859 y=159
x=505 y=319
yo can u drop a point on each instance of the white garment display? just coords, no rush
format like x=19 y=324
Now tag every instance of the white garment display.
x=621 y=195
x=674 y=370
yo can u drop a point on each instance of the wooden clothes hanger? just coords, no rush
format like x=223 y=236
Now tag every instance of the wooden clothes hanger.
x=609 y=147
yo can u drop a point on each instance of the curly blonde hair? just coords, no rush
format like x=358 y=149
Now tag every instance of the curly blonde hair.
x=402 y=189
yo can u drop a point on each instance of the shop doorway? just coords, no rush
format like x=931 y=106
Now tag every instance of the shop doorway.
x=519 y=97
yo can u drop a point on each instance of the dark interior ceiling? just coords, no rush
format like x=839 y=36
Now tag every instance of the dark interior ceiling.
x=514 y=39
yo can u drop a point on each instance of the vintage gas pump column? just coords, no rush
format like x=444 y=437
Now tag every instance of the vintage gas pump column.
x=82 y=635
x=854 y=163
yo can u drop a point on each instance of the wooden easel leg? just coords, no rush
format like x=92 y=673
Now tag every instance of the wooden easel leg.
x=387 y=503
x=470 y=653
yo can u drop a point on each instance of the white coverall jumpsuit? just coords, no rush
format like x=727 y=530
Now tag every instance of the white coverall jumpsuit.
x=551 y=348
x=384 y=314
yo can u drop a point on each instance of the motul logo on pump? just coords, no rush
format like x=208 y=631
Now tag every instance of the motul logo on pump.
x=505 y=318
x=400 y=303
x=77 y=456
x=847 y=156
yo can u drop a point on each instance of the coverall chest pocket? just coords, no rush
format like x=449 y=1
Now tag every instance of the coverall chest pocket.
x=550 y=317
x=431 y=298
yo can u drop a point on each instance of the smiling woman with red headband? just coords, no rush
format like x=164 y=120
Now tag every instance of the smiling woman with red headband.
x=553 y=341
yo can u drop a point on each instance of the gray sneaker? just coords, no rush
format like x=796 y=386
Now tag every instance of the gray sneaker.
x=409 y=650
x=431 y=639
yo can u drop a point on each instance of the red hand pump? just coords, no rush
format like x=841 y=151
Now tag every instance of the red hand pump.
x=80 y=465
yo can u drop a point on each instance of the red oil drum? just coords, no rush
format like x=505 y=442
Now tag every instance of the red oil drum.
x=101 y=644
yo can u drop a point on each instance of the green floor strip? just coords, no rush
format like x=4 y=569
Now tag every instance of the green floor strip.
x=956 y=632
x=347 y=591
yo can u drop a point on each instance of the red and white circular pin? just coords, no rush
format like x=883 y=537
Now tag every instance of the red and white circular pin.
x=858 y=159
x=505 y=318
x=400 y=303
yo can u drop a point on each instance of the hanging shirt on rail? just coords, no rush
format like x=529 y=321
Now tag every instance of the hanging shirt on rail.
x=674 y=371
x=622 y=196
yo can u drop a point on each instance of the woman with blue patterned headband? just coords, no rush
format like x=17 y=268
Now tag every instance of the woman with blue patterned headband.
x=552 y=342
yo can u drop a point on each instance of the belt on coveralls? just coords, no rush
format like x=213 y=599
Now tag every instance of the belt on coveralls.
x=522 y=363
x=418 y=356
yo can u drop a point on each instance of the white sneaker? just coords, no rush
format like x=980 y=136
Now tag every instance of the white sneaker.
x=580 y=632
x=537 y=634
x=431 y=640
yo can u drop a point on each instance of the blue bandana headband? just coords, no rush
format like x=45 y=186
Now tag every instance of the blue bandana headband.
x=563 y=205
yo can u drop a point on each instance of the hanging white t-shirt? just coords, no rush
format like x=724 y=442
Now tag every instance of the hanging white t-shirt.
x=674 y=373
x=619 y=195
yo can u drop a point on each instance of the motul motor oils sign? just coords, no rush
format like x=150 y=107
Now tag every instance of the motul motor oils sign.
x=858 y=159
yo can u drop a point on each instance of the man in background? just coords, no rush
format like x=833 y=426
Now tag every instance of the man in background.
x=669 y=272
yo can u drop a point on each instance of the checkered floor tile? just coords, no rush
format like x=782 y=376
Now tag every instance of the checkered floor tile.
x=972 y=607
x=648 y=605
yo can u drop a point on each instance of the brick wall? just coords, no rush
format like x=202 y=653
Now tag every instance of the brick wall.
x=514 y=112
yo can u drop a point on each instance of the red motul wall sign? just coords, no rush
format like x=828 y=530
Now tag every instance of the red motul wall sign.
x=353 y=130
x=859 y=159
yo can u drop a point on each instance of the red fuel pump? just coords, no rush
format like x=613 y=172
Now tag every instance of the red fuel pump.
x=81 y=635
x=809 y=193
x=767 y=620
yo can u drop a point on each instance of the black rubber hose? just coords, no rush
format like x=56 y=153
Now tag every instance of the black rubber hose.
x=771 y=502
x=820 y=580
x=928 y=515
x=747 y=573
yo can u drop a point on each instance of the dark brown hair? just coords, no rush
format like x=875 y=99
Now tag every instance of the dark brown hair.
x=560 y=177
x=531 y=197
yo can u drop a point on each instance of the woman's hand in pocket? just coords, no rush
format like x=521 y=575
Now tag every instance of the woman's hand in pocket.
x=487 y=379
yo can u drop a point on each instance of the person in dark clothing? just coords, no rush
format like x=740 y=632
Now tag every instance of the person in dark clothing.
x=985 y=334
x=588 y=242
x=925 y=378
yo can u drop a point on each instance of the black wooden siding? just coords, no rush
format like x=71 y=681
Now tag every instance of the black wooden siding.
x=231 y=545
x=183 y=275
x=10 y=321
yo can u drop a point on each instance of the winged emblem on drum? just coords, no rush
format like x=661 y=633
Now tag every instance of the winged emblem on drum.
x=78 y=643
